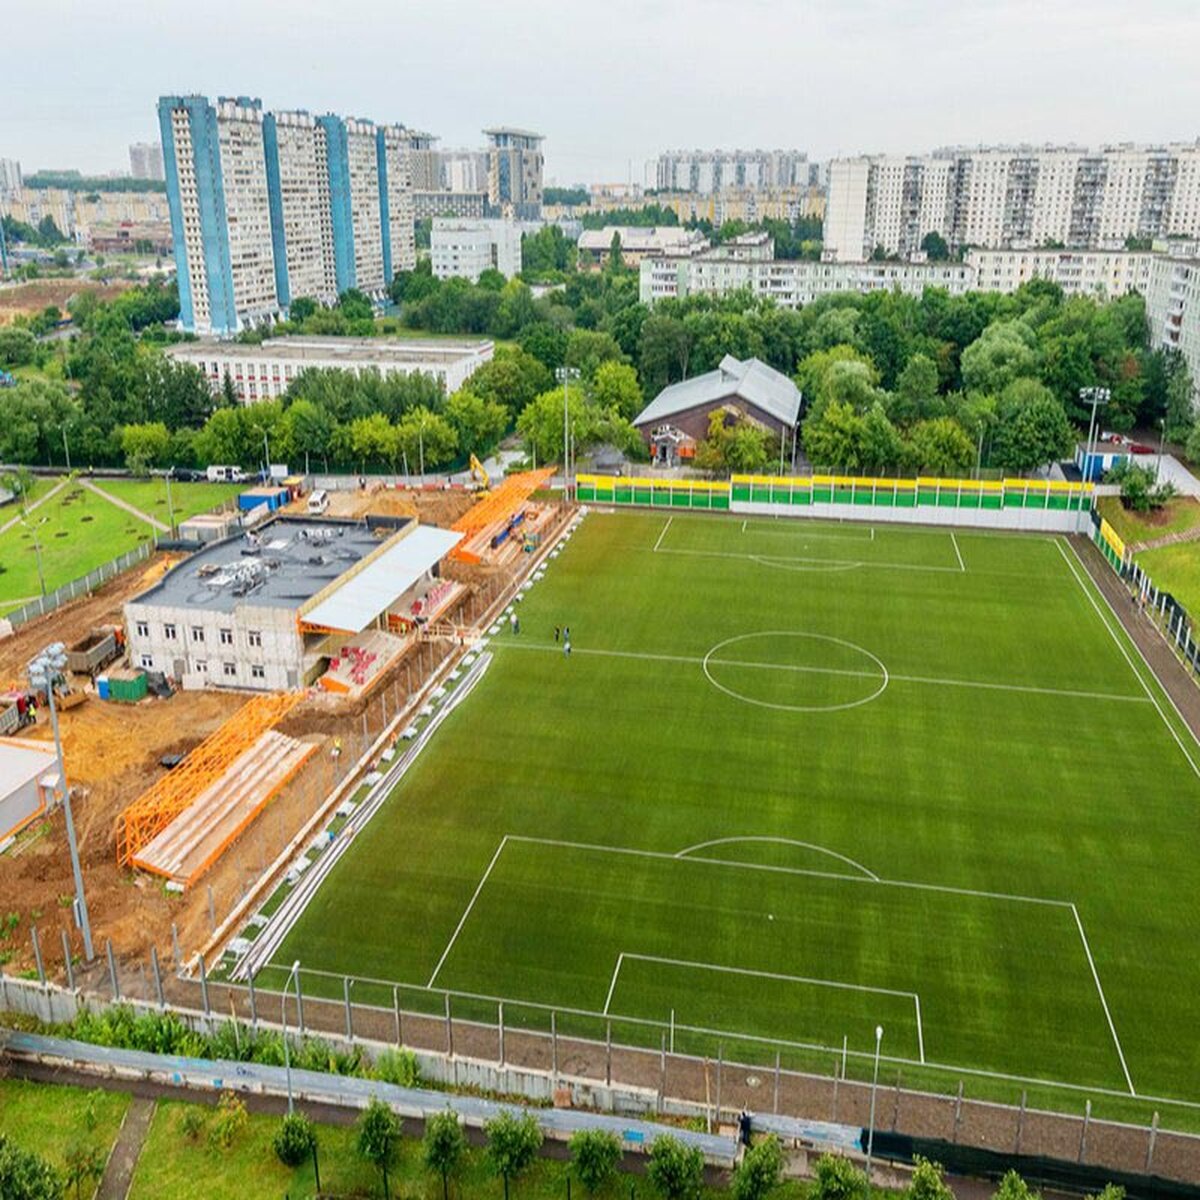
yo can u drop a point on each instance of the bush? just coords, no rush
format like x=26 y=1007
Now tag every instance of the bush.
x=513 y=1142
x=191 y=1124
x=444 y=1146
x=230 y=1121
x=378 y=1135
x=927 y=1182
x=676 y=1170
x=398 y=1067
x=594 y=1155
x=839 y=1179
x=759 y=1173
x=294 y=1140
x=25 y=1175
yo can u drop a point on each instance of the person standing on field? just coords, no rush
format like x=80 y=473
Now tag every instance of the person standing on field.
x=556 y=633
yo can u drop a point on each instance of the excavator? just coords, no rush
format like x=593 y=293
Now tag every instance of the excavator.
x=480 y=477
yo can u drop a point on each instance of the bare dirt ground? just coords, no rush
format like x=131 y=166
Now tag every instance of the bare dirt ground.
x=34 y=297
x=433 y=506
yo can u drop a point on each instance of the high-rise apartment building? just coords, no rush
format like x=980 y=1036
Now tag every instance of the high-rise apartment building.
x=393 y=145
x=1000 y=197
x=707 y=172
x=301 y=222
x=515 y=172
x=220 y=211
x=146 y=160
x=426 y=162
x=10 y=176
x=268 y=207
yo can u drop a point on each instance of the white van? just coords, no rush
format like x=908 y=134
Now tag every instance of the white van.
x=318 y=502
x=223 y=474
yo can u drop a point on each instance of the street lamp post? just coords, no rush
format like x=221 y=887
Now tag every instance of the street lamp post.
x=170 y=506
x=43 y=671
x=37 y=548
x=566 y=375
x=287 y=1055
x=1162 y=437
x=1097 y=396
x=874 y=1087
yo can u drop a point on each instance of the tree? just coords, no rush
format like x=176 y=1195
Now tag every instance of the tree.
x=512 y=1144
x=587 y=350
x=616 y=386
x=882 y=448
x=295 y=1140
x=839 y=1179
x=834 y=437
x=541 y=423
x=1013 y=1187
x=935 y=246
x=748 y=448
x=940 y=447
x=595 y=1154
x=478 y=423
x=302 y=307
x=760 y=1170
x=444 y=1146
x=1031 y=427
x=373 y=439
x=1140 y=490
x=664 y=350
x=547 y=343
x=676 y=1170
x=1006 y=350
x=83 y=1164
x=916 y=390
x=379 y=1138
x=25 y=1175
x=1180 y=412
x=310 y=429
x=356 y=306
x=512 y=378
x=926 y=1182
x=145 y=445
x=17 y=346
x=616 y=261
x=426 y=437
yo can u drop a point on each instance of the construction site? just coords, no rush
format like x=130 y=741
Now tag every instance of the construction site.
x=190 y=798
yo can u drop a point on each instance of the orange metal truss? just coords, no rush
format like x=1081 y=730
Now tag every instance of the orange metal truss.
x=496 y=508
x=160 y=804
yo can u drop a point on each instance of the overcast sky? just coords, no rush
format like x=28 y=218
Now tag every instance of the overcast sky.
x=612 y=82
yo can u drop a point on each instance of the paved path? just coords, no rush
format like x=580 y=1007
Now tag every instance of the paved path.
x=40 y=500
x=1173 y=471
x=1167 y=539
x=118 y=1174
x=129 y=508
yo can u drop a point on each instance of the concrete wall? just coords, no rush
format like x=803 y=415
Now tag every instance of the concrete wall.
x=1024 y=519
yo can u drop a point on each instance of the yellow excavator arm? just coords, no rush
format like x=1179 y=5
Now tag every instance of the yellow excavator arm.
x=479 y=474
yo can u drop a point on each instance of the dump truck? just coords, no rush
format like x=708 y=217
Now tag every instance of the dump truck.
x=16 y=711
x=90 y=654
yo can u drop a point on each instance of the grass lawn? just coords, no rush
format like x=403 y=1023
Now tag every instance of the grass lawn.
x=1176 y=569
x=172 y=1167
x=80 y=530
x=187 y=499
x=797 y=779
x=49 y=1118
x=1174 y=517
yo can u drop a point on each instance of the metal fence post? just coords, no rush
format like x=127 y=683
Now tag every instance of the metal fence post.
x=553 y=1048
x=112 y=970
x=775 y=1104
x=662 y=1071
x=608 y=1053
x=836 y=1082
x=396 y=1010
x=37 y=955
x=720 y=1065
x=349 y=1014
x=299 y=1006
x=204 y=987
x=252 y=998
x=1020 y=1123
x=500 y=1027
x=158 y=984
x=449 y=1030
x=958 y=1111
x=1153 y=1139
x=67 y=960
x=896 y=1104
x=1087 y=1120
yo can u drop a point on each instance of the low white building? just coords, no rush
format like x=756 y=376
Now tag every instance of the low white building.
x=29 y=783
x=464 y=249
x=1099 y=273
x=639 y=242
x=1173 y=309
x=264 y=372
x=268 y=610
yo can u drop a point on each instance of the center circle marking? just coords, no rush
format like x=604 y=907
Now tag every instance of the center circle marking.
x=709 y=662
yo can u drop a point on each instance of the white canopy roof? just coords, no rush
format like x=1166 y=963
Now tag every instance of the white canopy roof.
x=354 y=605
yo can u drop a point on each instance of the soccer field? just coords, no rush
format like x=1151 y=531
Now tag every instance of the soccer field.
x=796 y=780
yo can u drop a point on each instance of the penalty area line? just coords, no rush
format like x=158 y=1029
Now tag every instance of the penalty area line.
x=957 y=551
x=1103 y=1002
x=466 y=912
x=663 y=534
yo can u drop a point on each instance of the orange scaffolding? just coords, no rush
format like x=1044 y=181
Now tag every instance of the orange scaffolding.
x=495 y=509
x=161 y=803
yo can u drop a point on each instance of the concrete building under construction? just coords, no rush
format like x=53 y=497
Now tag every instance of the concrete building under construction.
x=277 y=608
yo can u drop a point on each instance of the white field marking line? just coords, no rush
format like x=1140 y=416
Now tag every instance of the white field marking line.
x=800 y=533
x=663 y=534
x=824 y=561
x=957 y=551
x=782 y=841
x=707 y=966
x=826 y=565
x=1103 y=1002
x=466 y=912
x=688 y=660
x=663 y=855
x=1125 y=654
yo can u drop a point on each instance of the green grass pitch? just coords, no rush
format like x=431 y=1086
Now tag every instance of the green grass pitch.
x=796 y=780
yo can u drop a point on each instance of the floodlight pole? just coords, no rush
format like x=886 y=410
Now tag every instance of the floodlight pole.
x=287 y=1055
x=1098 y=396
x=44 y=668
x=874 y=1087
x=566 y=375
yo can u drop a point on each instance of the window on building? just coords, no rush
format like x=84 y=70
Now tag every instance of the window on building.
x=254 y=637
x=146 y=662
x=226 y=637
x=169 y=632
x=258 y=671
x=229 y=669
x=197 y=633
x=200 y=667
x=143 y=630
